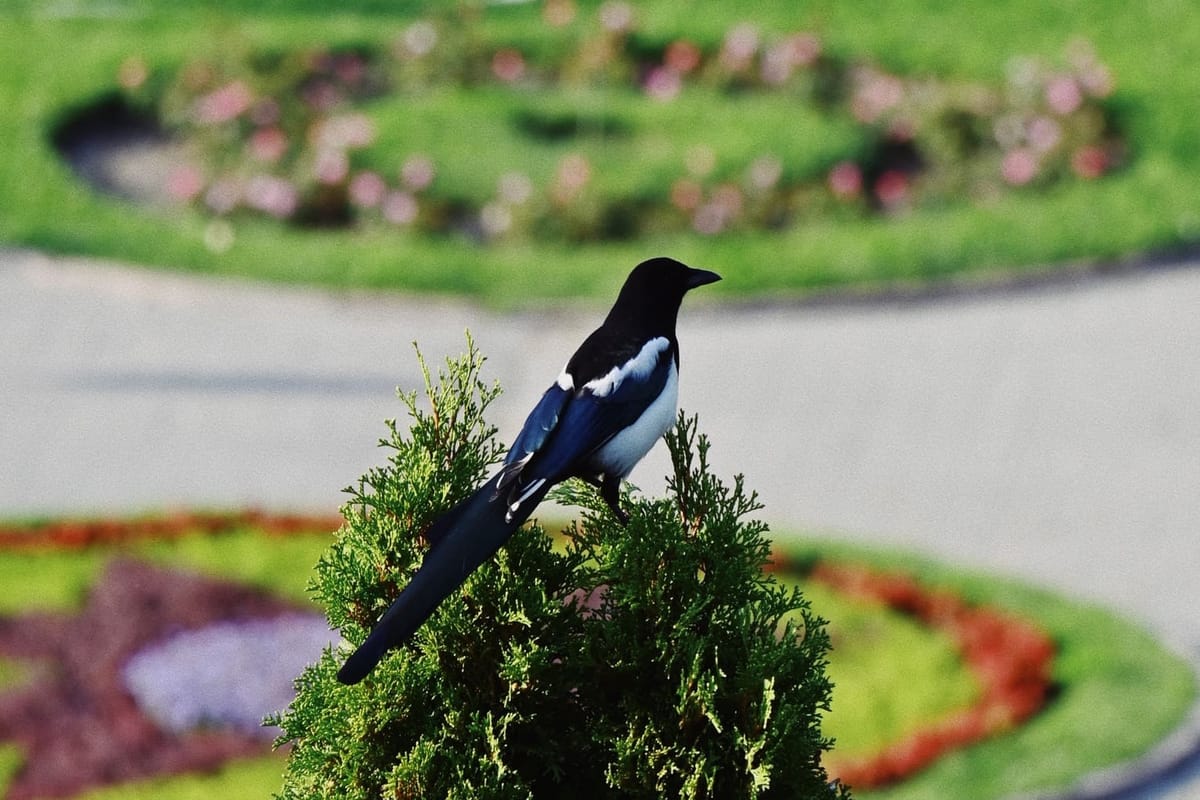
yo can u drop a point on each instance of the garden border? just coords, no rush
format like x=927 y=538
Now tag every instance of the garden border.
x=1180 y=750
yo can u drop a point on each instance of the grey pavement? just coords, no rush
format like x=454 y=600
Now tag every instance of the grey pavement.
x=1051 y=434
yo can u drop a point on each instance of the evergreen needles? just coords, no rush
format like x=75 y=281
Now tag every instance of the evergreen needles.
x=651 y=660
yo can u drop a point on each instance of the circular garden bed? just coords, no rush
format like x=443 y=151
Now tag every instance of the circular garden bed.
x=443 y=132
x=149 y=647
x=515 y=151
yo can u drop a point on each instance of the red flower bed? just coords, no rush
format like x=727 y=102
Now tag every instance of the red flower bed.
x=1010 y=657
x=77 y=534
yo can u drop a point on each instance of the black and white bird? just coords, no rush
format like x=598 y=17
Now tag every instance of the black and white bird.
x=616 y=397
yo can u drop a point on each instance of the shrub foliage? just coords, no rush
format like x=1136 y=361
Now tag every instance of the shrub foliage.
x=651 y=660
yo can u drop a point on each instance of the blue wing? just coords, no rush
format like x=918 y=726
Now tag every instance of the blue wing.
x=568 y=426
x=539 y=425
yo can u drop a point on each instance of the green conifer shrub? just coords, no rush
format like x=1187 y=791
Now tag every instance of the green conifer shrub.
x=646 y=661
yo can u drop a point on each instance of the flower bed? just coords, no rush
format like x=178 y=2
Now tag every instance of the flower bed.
x=1011 y=658
x=77 y=534
x=74 y=719
x=296 y=135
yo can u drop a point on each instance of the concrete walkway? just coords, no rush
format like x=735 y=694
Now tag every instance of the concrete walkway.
x=1051 y=434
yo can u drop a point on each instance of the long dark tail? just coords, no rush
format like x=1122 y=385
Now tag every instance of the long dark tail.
x=463 y=538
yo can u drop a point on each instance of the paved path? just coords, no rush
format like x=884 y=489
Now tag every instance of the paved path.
x=1052 y=434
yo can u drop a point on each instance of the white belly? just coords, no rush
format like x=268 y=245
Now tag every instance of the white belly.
x=621 y=453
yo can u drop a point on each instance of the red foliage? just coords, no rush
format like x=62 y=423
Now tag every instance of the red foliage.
x=76 y=534
x=1010 y=657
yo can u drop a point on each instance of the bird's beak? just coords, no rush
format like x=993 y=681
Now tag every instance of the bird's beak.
x=699 y=277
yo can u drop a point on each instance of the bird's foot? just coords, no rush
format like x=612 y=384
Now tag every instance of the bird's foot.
x=610 y=492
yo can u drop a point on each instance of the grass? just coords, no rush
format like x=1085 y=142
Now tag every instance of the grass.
x=1148 y=206
x=892 y=676
x=1122 y=691
x=58 y=580
x=252 y=777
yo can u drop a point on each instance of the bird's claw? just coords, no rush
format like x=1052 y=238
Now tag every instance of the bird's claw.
x=610 y=492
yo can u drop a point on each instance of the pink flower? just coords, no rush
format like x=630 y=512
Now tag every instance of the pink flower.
x=845 y=179
x=686 y=194
x=274 y=196
x=185 y=183
x=265 y=111
x=765 y=172
x=558 y=13
x=777 y=65
x=1009 y=131
x=1090 y=162
x=710 y=219
x=682 y=56
x=350 y=68
x=367 y=189
x=223 y=196
x=1094 y=78
x=1097 y=81
x=1043 y=134
x=417 y=173
x=663 y=84
x=331 y=166
x=515 y=188
x=739 y=47
x=345 y=132
x=508 y=65
x=321 y=95
x=268 y=144
x=805 y=49
x=728 y=198
x=719 y=212
x=223 y=105
x=1063 y=95
x=495 y=219
x=400 y=208
x=574 y=172
x=420 y=38
x=875 y=94
x=892 y=188
x=1019 y=167
x=616 y=16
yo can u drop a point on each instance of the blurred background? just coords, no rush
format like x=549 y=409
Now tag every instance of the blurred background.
x=956 y=335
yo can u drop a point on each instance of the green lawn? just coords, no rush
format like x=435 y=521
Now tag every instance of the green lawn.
x=877 y=657
x=56 y=56
x=1121 y=691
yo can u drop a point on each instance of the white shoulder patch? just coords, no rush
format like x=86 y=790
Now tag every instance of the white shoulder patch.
x=639 y=366
x=565 y=381
x=622 y=452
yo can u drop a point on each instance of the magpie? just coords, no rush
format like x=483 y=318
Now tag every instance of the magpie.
x=613 y=400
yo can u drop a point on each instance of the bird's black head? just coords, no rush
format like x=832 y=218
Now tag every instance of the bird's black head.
x=653 y=291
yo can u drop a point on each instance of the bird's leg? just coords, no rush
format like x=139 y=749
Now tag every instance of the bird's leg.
x=590 y=480
x=610 y=492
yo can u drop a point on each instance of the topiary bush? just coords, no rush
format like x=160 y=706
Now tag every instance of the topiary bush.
x=652 y=660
